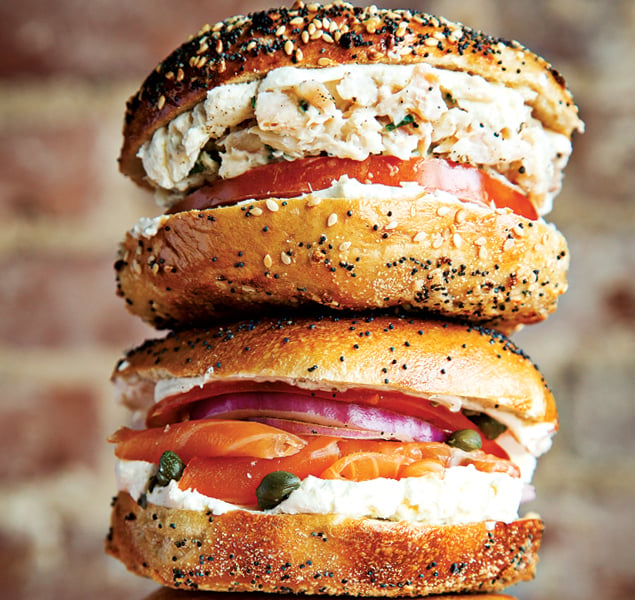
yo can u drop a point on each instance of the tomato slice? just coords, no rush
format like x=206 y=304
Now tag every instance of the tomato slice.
x=209 y=437
x=287 y=179
x=235 y=479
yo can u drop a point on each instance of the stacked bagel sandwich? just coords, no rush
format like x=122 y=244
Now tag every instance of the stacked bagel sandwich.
x=353 y=220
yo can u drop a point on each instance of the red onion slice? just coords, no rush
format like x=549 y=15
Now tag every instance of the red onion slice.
x=304 y=428
x=318 y=411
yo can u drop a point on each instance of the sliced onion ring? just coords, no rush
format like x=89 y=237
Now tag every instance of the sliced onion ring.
x=319 y=412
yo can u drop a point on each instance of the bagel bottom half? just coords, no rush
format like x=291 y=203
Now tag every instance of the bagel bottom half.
x=244 y=551
x=428 y=252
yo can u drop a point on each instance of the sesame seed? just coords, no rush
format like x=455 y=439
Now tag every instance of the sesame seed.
x=299 y=55
x=457 y=240
x=288 y=47
x=345 y=246
x=161 y=102
x=437 y=242
x=280 y=31
x=509 y=242
x=180 y=75
x=272 y=205
x=482 y=252
x=313 y=201
x=305 y=36
x=419 y=237
x=327 y=38
x=460 y=216
x=285 y=258
x=480 y=241
x=324 y=62
x=518 y=231
x=256 y=211
x=442 y=211
x=391 y=225
x=331 y=220
x=267 y=261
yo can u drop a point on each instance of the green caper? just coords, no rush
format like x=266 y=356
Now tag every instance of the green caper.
x=465 y=439
x=490 y=427
x=276 y=487
x=170 y=467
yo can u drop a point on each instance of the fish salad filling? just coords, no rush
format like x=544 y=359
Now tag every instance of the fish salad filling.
x=355 y=112
x=289 y=451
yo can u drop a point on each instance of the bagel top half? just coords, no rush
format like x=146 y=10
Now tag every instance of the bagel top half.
x=212 y=100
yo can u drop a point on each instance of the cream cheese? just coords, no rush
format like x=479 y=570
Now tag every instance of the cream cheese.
x=460 y=495
x=354 y=111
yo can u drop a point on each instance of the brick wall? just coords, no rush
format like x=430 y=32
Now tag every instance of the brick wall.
x=66 y=69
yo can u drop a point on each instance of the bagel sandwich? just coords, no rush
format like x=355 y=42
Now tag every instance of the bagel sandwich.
x=371 y=455
x=355 y=158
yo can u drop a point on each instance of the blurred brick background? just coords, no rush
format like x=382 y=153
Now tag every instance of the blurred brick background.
x=66 y=69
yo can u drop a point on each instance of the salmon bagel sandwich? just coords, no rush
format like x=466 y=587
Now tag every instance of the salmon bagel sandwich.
x=355 y=158
x=369 y=455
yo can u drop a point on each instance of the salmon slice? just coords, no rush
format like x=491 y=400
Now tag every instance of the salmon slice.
x=205 y=438
x=235 y=479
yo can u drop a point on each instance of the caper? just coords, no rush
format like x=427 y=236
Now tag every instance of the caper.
x=465 y=439
x=170 y=467
x=490 y=427
x=276 y=487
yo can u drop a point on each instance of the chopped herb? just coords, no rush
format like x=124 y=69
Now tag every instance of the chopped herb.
x=407 y=120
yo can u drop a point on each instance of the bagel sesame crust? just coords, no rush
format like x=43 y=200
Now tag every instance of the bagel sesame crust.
x=393 y=353
x=243 y=551
x=440 y=256
x=245 y=48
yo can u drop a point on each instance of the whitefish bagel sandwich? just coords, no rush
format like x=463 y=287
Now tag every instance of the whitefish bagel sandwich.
x=350 y=157
x=360 y=455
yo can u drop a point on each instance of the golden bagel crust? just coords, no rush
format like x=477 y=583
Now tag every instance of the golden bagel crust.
x=319 y=554
x=449 y=258
x=246 y=48
x=386 y=353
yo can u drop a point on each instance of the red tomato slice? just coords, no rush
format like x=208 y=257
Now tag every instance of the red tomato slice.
x=288 y=179
x=208 y=437
x=235 y=479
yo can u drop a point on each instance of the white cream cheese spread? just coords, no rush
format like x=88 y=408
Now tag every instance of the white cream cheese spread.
x=459 y=495
x=354 y=111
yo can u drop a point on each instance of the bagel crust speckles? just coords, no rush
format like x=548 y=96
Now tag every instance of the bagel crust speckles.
x=319 y=554
x=441 y=256
x=245 y=48
x=394 y=353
